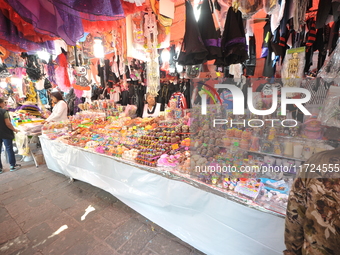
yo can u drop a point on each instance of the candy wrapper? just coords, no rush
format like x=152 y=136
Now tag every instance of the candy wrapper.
x=249 y=8
x=130 y=110
x=330 y=113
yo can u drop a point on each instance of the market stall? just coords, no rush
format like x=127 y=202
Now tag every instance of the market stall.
x=164 y=104
x=201 y=216
x=166 y=168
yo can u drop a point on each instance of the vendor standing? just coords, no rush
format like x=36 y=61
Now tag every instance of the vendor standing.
x=59 y=112
x=6 y=136
x=151 y=109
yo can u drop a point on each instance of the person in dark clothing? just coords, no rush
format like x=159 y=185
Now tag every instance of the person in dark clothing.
x=6 y=136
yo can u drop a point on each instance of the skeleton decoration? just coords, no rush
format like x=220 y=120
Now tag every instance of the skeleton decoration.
x=150 y=32
x=117 y=43
x=82 y=83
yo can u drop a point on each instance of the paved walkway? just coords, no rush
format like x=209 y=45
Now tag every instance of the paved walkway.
x=41 y=212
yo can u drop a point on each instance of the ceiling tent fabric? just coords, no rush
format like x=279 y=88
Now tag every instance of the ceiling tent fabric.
x=108 y=25
x=67 y=19
x=24 y=27
x=93 y=10
x=10 y=33
x=46 y=17
x=10 y=46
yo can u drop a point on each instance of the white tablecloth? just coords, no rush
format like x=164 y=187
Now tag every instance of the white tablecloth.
x=212 y=224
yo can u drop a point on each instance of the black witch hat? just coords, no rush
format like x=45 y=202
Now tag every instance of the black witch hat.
x=234 y=48
x=210 y=36
x=193 y=51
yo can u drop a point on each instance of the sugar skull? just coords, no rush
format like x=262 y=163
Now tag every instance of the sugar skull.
x=82 y=83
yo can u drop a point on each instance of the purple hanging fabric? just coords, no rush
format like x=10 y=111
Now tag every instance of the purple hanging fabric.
x=93 y=10
x=46 y=17
x=10 y=33
x=51 y=72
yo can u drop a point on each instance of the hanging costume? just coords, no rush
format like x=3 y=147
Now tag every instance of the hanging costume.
x=324 y=9
x=250 y=7
x=233 y=39
x=193 y=51
x=267 y=50
x=208 y=32
x=250 y=63
x=61 y=73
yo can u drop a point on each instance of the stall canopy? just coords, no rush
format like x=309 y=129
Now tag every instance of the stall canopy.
x=28 y=25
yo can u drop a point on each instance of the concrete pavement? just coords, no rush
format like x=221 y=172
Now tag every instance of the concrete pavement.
x=42 y=212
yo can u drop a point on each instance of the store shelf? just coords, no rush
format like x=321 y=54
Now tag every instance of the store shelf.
x=264 y=153
x=275 y=155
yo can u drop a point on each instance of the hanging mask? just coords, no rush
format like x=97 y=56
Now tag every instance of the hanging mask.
x=82 y=83
x=193 y=71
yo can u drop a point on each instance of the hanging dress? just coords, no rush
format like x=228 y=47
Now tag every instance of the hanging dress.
x=193 y=51
x=208 y=32
x=233 y=43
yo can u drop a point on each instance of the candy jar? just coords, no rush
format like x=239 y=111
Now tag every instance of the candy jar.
x=312 y=128
x=238 y=133
x=277 y=147
x=298 y=148
x=230 y=132
x=254 y=143
x=272 y=133
x=226 y=141
x=288 y=147
x=244 y=144
x=267 y=147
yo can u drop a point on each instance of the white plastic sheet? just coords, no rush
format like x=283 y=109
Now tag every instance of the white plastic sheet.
x=212 y=224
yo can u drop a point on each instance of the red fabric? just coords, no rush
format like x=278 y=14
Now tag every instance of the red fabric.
x=130 y=8
x=61 y=73
x=11 y=47
x=24 y=27
x=103 y=26
x=98 y=26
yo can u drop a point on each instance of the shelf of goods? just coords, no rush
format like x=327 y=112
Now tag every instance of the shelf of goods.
x=148 y=165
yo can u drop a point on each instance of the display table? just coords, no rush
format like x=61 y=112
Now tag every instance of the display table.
x=207 y=221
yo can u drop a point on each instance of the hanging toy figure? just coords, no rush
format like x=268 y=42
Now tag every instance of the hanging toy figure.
x=137 y=24
x=150 y=32
x=82 y=83
x=293 y=69
x=31 y=96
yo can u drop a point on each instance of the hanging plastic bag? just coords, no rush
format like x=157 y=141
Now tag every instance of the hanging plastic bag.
x=330 y=112
x=250 y=7
x=330 y=71
x=269 y=5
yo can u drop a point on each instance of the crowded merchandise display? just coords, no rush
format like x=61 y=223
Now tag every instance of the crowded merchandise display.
x=230 y=97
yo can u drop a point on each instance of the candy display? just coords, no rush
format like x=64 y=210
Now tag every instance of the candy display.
x=238 y=160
